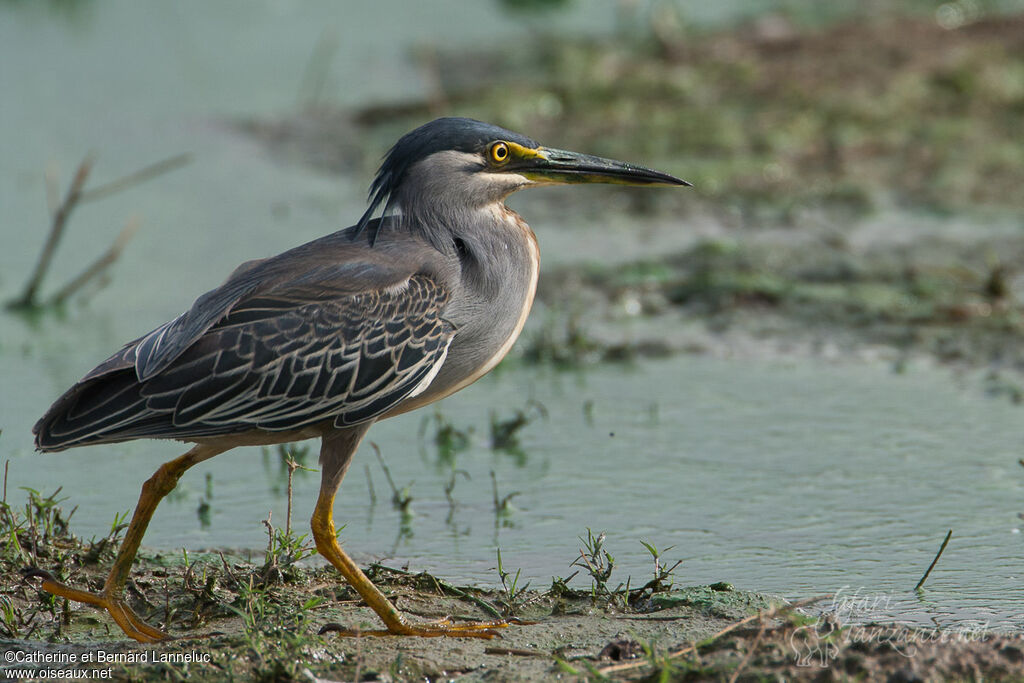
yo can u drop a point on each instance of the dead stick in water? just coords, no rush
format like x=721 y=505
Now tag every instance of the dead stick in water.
x=60 y=213
x=136 y=177
x=932 y=565
x=60 y=220
x=99 y=266
x=50 y=180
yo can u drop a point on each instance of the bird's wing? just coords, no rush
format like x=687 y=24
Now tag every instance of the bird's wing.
x=320 y=267
x=301 y=354
x=152 y=352
x=330 y=343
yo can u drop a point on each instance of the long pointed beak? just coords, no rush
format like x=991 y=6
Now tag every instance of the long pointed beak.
x=557 y=166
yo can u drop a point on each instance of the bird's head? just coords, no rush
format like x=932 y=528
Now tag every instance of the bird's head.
x=453 y=165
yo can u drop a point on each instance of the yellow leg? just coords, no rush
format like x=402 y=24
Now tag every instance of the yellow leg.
x=327 y=544
x=111 y=598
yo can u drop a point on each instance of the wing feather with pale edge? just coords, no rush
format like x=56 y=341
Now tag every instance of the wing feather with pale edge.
x=278 y=359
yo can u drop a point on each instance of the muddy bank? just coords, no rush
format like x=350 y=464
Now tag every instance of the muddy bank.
x=277 y=620
x=234 y=620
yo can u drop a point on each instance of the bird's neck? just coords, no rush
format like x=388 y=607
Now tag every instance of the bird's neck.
x=498 y=254
x=498 y=264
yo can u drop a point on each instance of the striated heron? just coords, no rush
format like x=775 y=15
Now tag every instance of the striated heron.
x=325 y=339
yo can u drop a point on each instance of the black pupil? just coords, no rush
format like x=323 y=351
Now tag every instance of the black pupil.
x=500 y=152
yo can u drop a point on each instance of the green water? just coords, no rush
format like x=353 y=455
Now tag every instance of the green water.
x=790 y=477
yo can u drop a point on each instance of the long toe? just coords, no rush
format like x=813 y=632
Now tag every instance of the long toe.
x=442 y=628
x=130 y=622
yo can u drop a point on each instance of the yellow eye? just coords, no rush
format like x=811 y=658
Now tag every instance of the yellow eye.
x=499 y=153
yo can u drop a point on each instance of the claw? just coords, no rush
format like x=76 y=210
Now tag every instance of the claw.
x=36 y=573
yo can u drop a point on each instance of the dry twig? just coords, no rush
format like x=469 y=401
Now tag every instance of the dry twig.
x=763 y=614
x=60 y=221
x=934 y=562
x=750 y=653
x=61 y=211
x=99 y=266
x=136 y=177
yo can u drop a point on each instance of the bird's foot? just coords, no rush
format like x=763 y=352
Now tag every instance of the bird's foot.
x=432 y=629
x=130 y=622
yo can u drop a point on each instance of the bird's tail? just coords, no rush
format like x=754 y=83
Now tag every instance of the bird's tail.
x=105 y=409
